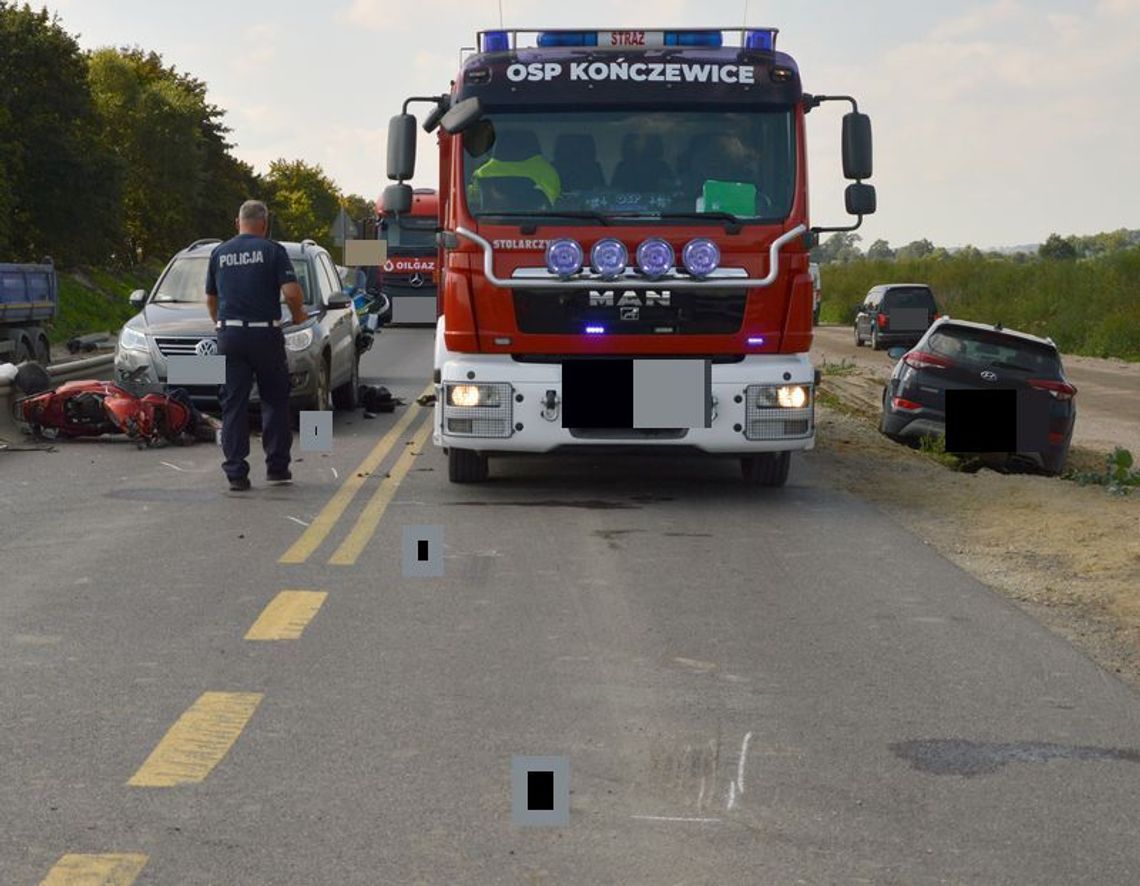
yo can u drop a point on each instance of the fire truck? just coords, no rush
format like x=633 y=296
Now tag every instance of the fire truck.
x=623 y=246
x=408 y=276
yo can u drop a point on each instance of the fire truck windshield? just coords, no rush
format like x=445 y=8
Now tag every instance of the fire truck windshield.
x=632 y=163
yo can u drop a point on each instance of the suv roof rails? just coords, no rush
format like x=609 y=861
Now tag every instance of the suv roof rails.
x=203 y=242
x=308 y=242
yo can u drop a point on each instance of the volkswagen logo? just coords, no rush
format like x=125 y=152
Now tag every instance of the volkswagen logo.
x=987 y=375
x=207 y=347
x=416 y=280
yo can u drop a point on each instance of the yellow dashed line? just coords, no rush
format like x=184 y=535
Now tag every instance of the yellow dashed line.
x=369 y=519
x=110 y=869
x=286 y=615
x=319 y=529
x=198 y=740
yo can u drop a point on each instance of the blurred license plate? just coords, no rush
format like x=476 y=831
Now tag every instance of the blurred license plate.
x=908 y=319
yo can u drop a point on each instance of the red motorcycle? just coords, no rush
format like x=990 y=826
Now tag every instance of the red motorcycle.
x=91 y=408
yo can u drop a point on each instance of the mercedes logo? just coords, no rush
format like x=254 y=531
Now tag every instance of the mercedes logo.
x=207 y=347
x=988 y=375
x=416 y=280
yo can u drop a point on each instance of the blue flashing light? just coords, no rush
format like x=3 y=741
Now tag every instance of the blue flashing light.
x=496 y=41
x=756 y=340
x=549 y=39
x=694 y=38
x=595 y=330
x=765 y=40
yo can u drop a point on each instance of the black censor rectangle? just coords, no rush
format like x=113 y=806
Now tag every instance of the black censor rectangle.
x=540 y=791
x=597 y=393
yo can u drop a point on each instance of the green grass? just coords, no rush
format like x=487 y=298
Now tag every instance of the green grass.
x=843 y=367
x=95 y=299
x=1119 y=476
x=1090 y=306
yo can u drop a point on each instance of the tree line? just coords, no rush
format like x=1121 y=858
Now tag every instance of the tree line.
x=112 y=157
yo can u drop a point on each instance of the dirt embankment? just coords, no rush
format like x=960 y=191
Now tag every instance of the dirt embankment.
x=1068 y=554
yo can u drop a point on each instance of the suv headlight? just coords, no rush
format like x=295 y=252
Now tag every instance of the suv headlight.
x=130 y=339
x=299 y=340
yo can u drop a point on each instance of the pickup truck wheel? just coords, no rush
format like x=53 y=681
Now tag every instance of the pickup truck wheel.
x=858 y=339
x=466 y=466
x=347 y=396
x=875 y=346
x=766 y=469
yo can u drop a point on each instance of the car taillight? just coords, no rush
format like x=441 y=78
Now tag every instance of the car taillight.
x=926 y=360
x=1060 y=390
x=881 y=320
x=1055 y=438
x=903 y=403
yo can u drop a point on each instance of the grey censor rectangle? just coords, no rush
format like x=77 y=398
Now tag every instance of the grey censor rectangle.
x=195 y=369
x=423 y=551
x=672 y=394
x=413 y=308
x=315 y=430
x=908 y=319
x=523 y=808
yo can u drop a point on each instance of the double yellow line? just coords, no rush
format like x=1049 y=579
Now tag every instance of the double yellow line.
x=351 y=548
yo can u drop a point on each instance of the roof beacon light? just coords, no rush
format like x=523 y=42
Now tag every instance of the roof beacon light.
x=564 y=258
x=609 y=257
x=694 y=38
x=763 y=39
x=655 y=258
x=549 y=39
x=496 y=41
x=595 y=330
x=701 y=257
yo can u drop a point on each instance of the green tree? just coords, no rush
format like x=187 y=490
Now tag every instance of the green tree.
x=62 y=185
x=915 y=249
x=880 y=250
x=1058 y=248
x=304 y=201
x=842 y=246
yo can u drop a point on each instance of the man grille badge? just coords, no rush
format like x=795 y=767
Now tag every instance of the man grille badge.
x=207 y=347
x=631 y=313
x=416 y=280
x=988 y=375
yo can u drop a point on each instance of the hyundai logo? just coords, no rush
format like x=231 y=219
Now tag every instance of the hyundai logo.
x=416 y=280
x=988 y=375
x=207 y=347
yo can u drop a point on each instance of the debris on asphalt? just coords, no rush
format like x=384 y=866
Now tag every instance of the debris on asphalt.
x=426 y=400
x=377 y=398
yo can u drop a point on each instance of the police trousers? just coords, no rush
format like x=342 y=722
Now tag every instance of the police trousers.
x=257 y=352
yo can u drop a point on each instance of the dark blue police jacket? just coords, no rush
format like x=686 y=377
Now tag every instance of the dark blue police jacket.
x=246 y=274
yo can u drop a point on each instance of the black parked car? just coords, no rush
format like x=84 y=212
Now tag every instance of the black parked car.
x=895 y=314
x=956 y=355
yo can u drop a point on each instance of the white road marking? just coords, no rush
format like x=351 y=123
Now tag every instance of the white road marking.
x=336 y=476
x=169 y=465
x=295 y=520
x=736 y=788
x=670 y=818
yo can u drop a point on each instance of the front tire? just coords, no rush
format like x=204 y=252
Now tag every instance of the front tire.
x=766 y=469
x=466 y=466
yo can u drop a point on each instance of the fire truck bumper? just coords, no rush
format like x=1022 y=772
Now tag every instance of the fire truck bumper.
x=494 y=404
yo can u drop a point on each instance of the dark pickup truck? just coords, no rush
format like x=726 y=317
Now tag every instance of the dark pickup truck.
x=29 y=299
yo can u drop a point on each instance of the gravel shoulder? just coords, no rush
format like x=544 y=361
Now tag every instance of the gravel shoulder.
x=1068 y=554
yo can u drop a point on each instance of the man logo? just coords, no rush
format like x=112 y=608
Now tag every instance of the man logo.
x=988 y=375
x=207 y=347
x=631 y=313
x=629 y=298
x=416 y=280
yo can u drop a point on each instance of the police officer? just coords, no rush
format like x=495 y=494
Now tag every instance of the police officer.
x=244 y=283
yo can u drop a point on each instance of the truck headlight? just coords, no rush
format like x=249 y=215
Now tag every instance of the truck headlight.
x=130 y=339
x=792 y=397
x=300 y=340
x=473 y=395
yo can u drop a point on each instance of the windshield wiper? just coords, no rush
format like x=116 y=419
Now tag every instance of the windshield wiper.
x=594 y=216
x=732 y=223
x=1013 y=366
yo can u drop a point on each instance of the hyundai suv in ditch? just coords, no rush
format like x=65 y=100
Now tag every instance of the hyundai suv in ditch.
x=961 y=355
x=323 y=352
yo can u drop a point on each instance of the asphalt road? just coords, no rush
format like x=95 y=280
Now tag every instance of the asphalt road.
x=749 y=686
x=1108 y=391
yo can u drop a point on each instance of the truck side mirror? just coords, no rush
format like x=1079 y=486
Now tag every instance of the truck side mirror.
x=431 y=122
x=856 y=146
x=462 y=115
x=401 y=147
x=398 y=198
x=137 y=298
x=860 y=199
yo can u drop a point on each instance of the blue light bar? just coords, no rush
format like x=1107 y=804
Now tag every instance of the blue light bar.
x=595 y=330
x=496 y=41
x=765 y=39
x=694 y=38
x=756 y=340
x=568 y=38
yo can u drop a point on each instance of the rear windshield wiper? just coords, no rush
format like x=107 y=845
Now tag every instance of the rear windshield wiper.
x=1016 y=366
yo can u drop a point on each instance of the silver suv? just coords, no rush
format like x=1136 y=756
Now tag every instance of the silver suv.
x=324 y=351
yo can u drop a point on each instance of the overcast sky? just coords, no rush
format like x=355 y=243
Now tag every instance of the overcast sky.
x=995 y=123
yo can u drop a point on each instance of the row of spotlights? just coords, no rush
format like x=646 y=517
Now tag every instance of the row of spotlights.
x=609 y=258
